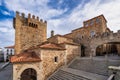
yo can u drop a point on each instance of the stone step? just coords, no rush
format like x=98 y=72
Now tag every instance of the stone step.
x=85 y=69
x=69 y=76
x=87 y=75
x=62 y=75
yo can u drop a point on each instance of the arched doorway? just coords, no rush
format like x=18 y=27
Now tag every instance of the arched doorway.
x=29 y=74
x=108 y=48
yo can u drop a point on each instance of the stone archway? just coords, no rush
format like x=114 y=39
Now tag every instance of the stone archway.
x=29 y=74
x=103 y=39
x=107 y=48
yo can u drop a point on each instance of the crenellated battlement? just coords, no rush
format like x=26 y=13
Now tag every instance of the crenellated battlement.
x=30 y=20
x=29 y=31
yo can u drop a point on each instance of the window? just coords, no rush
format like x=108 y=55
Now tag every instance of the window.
x=82 y=36
x=92 y=33
x=97 y=20
x=56 y=59
x=32 y=24
x=86 y=24
x=7 y=51
x=11 y=51
x=29 y=24
x=91 y=22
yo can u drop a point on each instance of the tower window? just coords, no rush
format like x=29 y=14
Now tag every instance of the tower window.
x=91 y=22
x=29 y=24
x=56 y=59
x=86 y=24
x=32 y=24
x=97 y=20
x=92 y=33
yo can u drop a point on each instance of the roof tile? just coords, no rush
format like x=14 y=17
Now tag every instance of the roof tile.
x=26 y=56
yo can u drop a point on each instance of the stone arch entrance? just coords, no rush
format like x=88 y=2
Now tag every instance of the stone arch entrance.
x=104 y=38
x=107 y=48
x=29 y=74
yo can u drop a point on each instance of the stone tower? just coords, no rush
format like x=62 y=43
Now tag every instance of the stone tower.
x=29 y=31
x=97 y=24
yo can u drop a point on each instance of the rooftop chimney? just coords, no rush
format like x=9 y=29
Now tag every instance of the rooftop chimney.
x=52 y=33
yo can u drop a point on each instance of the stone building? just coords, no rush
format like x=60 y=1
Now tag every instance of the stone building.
x=37 y=57
x=28 y=31
x=8 y=52
x=1 y=55
x=92 y=29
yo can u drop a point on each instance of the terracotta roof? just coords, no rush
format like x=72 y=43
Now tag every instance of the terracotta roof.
x=51 y=46
x=26 y=56
x=9 y=46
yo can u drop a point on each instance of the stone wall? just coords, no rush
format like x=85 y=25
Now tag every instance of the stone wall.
x=18 y=68
x=48 y=63
x=59 y=39
x=104 y=38
x=90 y=27
x=63 y=39
x=28 y=32
x=71 y=52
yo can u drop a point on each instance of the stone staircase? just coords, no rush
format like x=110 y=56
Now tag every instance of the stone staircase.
x=85 y=69
x=95 y=65
x=63 y=75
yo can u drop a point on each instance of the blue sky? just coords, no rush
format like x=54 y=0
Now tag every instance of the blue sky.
x=62 y=15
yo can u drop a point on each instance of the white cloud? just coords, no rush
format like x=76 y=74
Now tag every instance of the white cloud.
x=5 y=13
x=90 y=10
x=84 y=11
x=110 y=9
x=3 y=29
x=37 y=7
x=78 y=15
x=0 y=2
x=6 y=33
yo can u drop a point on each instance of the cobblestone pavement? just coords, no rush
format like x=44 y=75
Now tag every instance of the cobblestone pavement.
x=6 y=73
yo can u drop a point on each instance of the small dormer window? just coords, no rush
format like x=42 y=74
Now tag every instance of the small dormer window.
x=56 y=59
